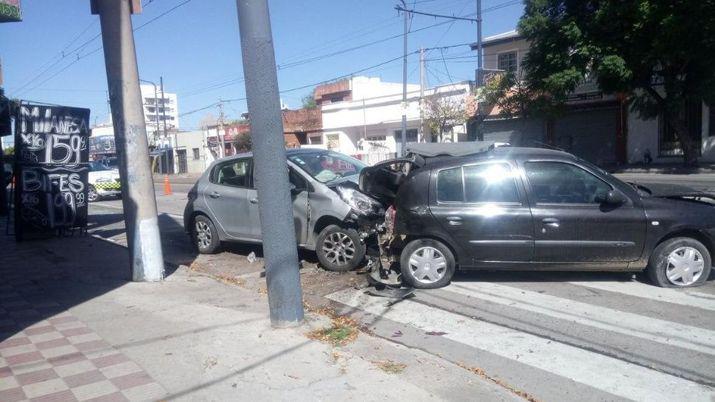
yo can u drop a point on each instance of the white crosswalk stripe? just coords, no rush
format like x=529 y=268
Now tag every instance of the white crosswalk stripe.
x=684 y=297
x=652 y=329
x=617 y=377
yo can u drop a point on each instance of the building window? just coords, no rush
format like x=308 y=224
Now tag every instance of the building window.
x=411 y=135
x=377 y=137
x=507 y=61
x=316 y=140
x=669 y=145
x=197 y=155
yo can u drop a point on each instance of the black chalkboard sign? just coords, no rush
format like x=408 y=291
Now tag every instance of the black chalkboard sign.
x=51 y=165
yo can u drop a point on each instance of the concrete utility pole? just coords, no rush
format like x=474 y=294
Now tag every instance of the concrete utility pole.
x=220 y=135
x=404 y=83
x=276 y=208
x=138 y=199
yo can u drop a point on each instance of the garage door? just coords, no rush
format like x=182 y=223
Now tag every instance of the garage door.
x=589 y=134
x=517 y=132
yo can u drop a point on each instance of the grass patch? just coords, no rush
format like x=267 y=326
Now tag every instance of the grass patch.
x=342 y=331
x=390 y=367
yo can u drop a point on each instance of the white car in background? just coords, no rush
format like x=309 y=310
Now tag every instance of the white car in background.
x=103 y=182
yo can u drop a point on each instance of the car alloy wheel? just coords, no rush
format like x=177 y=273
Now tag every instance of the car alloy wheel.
x=92 y=194
x=685 y=266
x=339 y=248
x=203 y=235
x=427 y=265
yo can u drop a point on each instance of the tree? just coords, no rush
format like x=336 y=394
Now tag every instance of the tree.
x=443 y=113
x=309 y=102
x=660 y=53
x=243 y=142
x=9 y=151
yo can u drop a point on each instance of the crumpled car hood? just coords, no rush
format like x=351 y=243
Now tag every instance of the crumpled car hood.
x=676 y=191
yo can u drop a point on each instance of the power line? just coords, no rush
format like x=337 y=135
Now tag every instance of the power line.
x=452 y=17
x=83 y=45
x=325 y=81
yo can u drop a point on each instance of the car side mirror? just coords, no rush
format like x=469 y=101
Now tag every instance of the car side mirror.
x=294 y=189
x=613 y=197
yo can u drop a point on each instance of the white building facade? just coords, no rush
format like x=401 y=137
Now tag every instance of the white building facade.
x=159 y=110
x=366 y=119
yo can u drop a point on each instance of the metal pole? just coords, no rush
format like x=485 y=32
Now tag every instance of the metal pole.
x=221 y=139
x=404 y=84
x=275 y=205
x=138 y=199
x=422 y=94
x=480 y=66
x=4 y=103
x=163 y=103
x=156 y=108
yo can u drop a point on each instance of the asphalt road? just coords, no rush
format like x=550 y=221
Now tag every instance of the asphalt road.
x=556 y=336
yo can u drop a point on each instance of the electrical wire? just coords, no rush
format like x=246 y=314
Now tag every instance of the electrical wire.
x=79 y=48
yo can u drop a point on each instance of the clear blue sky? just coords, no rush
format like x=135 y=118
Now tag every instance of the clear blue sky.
x=196 y=48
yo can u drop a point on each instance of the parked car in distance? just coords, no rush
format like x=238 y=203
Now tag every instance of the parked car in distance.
x=512 y=208
x=223 y=206
x=103 y=182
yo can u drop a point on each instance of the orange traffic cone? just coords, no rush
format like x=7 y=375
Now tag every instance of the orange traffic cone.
x=167 y=185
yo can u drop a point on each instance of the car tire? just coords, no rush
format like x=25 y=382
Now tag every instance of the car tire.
x=439 y=254
x=339 y=249
x=92 y=194
x=204 y=235
x=679 y=262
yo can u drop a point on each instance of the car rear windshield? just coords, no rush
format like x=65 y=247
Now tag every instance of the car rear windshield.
x=327 y=166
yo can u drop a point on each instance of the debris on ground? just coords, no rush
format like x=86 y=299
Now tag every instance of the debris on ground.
x=251 y=257
x=435 y=333
x=481 y=373
x=231 y=280
x=343 y=331
x=210 y=362
x=390 y=367
x=397 y=334
x=395 y=295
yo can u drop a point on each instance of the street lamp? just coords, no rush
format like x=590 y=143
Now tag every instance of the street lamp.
x=156 y=108
x=156 y=119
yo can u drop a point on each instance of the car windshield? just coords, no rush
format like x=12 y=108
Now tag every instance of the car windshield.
x=327 y=166
x=97 y=167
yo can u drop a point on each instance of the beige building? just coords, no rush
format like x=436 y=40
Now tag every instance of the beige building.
x=190 y=152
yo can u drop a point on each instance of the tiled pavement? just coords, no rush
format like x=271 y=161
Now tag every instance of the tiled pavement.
x=48 y=354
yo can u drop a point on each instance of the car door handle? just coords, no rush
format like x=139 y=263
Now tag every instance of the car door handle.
x=253 y=200
x=454 y=220
x=214 y=194
x=552 y=222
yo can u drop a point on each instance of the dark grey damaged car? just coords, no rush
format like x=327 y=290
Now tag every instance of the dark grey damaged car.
x=510 y=208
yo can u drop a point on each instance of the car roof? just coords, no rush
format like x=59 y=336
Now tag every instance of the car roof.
x=289 y=152
x=504 y=152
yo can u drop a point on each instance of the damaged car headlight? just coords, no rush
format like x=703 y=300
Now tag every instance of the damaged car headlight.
x=358 y=201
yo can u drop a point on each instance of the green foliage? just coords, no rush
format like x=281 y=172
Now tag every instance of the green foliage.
x=309 y=102
x=9 y=151
x=243 y=142
x=659 y=52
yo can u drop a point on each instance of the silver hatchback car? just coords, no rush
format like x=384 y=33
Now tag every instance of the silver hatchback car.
x=223 y=206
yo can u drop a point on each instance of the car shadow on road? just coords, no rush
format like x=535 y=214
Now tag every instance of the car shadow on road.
x=543 y=276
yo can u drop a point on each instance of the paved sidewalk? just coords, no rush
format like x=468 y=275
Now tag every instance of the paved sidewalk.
x=72 y=328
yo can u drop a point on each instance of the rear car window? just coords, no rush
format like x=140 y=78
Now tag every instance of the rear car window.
x=233 y=173
x=449 y=185
x=493 y=182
